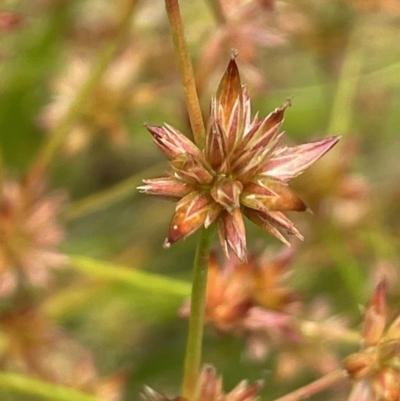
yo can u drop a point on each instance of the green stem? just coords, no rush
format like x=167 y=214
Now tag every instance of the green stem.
x=136 y=278
x=186 y=69
x=39 y=388
x=105 y=56
x=197 y=311
x=315 y=387
x=215 y=7
x=342 y=108
x=102 y=199
x=2 y=169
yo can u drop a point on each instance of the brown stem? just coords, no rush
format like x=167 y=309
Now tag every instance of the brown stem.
x=186 y=69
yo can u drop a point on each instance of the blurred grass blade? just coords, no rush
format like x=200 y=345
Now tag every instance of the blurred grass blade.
x=102 y=199
x=132 y=277
x=346 y=88
x=17 y=383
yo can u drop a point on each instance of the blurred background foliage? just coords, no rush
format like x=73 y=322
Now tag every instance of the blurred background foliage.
x=339 y=61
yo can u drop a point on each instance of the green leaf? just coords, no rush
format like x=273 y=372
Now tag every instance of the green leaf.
x=39 y=388
x=138 y=279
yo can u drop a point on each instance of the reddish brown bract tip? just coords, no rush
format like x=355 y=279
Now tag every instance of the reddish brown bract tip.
x=230 y=88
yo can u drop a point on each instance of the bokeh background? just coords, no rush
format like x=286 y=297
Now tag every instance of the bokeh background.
x=339 y=62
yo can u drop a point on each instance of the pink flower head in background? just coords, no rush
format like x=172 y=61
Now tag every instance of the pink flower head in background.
x=375 y=369
x=243 y=170
x=29 y=234
x=209 y=387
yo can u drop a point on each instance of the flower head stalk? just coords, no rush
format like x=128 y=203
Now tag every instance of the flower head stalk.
x=243 y=170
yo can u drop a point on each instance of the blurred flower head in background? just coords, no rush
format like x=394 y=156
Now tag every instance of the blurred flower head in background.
x=249 y=299
x=320 y=27
x=309 y=346
x=35 y=347
x=246 y=26
x=209 y=387
x=29 y=234
x=334 y=192
x=242 y=170
x=103 y=114
x=375 y=369
x=236 y=287
x=10 y=21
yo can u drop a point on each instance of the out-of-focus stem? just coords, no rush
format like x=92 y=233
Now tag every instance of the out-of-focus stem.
x=312 y=329
x=57 y=135
x=340 y=124
x=342 y=109
x=197 y=311
x=215 y=7
x=186 y=69
x=102 y=199
x=315 y=387
x=2 y=168
x=37 y=388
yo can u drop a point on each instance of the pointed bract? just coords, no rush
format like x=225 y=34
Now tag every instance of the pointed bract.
x=191 y=212
x=227 y=195
x=375 y=316
x=172 y=142
x=232 y=233
x=271 y=197
x=229 y=90
x=289 y=162
x=167 y=187
x=215 y=149
x=190 y=169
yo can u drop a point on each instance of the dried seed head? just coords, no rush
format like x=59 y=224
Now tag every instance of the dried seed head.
x=209 y=388
x=377 y=364
x=29 y=234
x=242 y=171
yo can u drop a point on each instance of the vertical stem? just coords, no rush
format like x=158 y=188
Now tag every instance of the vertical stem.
x=186 y=69
x=197 y=310
x=199 y=286
x=102 y=199
x=340 y=124
x=215 y=7
x=342 y=108
x=100 y=65
x=2 y=169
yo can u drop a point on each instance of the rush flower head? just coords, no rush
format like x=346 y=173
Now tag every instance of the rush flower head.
x=242 y=170
x=250 y=300
x=104 y=112
x=375 y=369
x=29 y=234
x=209 y=388
x=235 y=289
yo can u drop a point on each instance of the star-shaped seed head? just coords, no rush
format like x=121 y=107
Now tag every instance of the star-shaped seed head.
x=243 y=170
